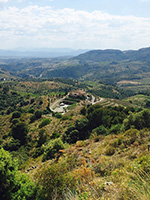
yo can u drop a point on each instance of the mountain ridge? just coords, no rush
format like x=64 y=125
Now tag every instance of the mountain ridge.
x=109 y=66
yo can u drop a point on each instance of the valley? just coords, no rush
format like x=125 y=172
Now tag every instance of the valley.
x=75 y=128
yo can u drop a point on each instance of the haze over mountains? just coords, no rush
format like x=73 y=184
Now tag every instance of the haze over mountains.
x=107 y=65
x=41 y=52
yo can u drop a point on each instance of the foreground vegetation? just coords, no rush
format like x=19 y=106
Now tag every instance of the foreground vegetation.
x=92 y=152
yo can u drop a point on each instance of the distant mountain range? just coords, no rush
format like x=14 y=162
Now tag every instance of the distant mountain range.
x=109 y=66
x=41 y=52
x=106 y=65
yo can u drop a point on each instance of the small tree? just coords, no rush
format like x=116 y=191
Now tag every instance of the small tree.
x=37 y=115
x=16 y=114
x=19 y=131
x=42 y=137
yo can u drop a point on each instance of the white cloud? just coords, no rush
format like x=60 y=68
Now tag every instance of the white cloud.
x=3 y=1
x=35 y=26
x=20 y=1
x=144 y=0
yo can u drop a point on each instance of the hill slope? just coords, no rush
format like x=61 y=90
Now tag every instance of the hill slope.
x=108 y=66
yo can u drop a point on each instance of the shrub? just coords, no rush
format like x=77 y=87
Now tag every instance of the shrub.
x=101 y=130
x=1 y=141
x=52 y=148
x=55 y=135
x=110 y=150
x=130 y=136
x=138 y=120
x=19 y=131
x=81 y=123
x=12 y=145
x=71 y=135
x=47 y=111
x=14 y=185
x=37 y=115
x=31 y=110
x=32 y=101
x=15 y=121
x=38 y=151
x=41 y=102
x=44 y=122
x=42 y=138
x=55 y=180
x=58 y=115
x=115 y=129
x=143 y=163
x=16 y=114
x=77 y=132
x=63 y=118
x=32 y=118
x=83 y=111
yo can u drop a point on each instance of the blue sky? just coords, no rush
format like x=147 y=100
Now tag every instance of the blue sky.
x=77 y=24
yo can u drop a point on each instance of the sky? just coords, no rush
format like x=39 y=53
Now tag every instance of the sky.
x=76 y=24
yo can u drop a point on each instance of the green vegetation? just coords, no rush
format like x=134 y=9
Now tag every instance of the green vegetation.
x=19 y=131
x=44 y=122
x=35 y=116
x=90 y=152
x=51 y=148
x=13 y=184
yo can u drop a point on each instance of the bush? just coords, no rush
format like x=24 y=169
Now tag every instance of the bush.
x=31 y=110
x=81 y=124
x=52 y=148
x=115 y=129
x=46 y=112
x=12 y=145
x=32 y=101
x=101 y=130
x=32 y=118
x=38 y=151
x=55 y=180
x=55 y=135
x=83 y=111
x=16 y=114
x=19 y=131
x=77 y=132
x=63 y=118
x=15 y=121
x=71 y=135
x=37 y=115
x=14 y=185
x=130 y=137
x=58 y=115
x=138 y=120
x=44 y=122
x=110 y=150
x=42 y=138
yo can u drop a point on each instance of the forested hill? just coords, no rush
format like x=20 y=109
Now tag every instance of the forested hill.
x=108 y=66
x=101 y=55
x=115 y=55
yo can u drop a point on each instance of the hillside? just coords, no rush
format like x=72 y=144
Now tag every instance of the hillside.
x=126 y=69
x=115 y=55
x=96 y=150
